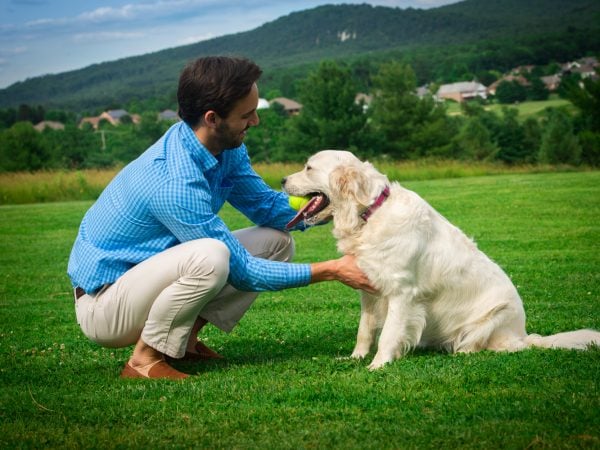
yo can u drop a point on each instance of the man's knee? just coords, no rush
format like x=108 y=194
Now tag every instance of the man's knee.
x=285 y=246
x=209 y=257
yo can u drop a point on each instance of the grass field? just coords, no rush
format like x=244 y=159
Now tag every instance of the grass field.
x=526 y=109
x=282 y=385
x=61 y=186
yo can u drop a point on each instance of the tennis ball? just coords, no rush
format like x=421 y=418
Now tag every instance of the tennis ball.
x=298 y=203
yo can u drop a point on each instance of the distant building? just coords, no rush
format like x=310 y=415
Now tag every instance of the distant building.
x=461 y=91
x=551 y=82
x=263 y=103
x=290 y=106
x=113 y=116
x=168 y=115
x=508 y=78
x=41 y=126
x=423 y=91
x=364 y=100
x=93 y=121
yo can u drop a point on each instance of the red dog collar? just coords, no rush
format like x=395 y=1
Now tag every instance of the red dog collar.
x=371 y=209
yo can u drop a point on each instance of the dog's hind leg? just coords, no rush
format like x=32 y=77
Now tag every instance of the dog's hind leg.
x=501 y=329
x=370 y=311
x=402 y=330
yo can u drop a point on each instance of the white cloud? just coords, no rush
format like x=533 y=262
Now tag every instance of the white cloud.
x=193 y=39
x=13 y=50
x=107 y=36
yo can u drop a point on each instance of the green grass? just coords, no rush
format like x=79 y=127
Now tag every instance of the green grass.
x=60 y=186
x=526 y=109
x=282 y=385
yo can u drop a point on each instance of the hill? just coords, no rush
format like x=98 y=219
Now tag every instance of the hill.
x=476 y=34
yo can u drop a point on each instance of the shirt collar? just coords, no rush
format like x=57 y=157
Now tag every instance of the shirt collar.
x=200 y=154
x=198 y=151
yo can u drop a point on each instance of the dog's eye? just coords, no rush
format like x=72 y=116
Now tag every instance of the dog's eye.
x=308 y=168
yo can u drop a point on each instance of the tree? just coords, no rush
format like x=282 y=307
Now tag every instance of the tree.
x=30 y=114
x=532 y=137
x=7 y=118
x=23 y=148
x=559 y=144
x=406 y=126
x=537 y=90
x=511 y=92
x=474 y=141
x=72 y=147
x=330 y=118
x=586 y=97
x=510 y=138
x=263 y=142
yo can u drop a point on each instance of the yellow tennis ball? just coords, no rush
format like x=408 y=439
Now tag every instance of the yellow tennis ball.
x=298 y=203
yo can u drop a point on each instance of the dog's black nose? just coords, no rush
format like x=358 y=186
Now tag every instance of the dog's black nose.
x=283 y=180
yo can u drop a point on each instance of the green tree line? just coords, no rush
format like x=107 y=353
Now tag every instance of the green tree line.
x=397 y=124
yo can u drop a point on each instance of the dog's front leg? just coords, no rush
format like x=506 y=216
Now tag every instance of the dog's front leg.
x=401 y=331
x=368 y=325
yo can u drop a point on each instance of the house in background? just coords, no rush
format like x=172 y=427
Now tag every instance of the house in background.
x=113 y=116
x=552 y=81
x=263 y=103
x=93 y=121
x=509 y=79
x=168 y=115
x=461 y=91
x=364 y=100
x=289 y=106
x=41 y=126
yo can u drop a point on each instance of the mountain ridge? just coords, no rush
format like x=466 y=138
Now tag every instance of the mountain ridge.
x=329 y=31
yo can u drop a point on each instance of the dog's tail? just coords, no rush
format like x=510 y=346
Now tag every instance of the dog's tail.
x=579 y=340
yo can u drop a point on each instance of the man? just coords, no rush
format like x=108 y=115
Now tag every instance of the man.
x=152 y=262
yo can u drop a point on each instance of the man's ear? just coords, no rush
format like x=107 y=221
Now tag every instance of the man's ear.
x=210 y=118
x=350 y=182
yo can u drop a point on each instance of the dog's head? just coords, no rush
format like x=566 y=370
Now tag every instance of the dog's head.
x=340 y=186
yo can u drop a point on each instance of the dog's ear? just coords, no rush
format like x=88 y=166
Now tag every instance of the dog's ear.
x=350 y=182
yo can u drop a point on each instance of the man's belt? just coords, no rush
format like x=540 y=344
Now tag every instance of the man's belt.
x=79 y=293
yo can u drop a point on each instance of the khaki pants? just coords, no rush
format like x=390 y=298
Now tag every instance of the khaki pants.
x=160 y=298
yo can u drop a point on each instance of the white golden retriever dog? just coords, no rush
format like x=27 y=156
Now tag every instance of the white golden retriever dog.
x=435 y=288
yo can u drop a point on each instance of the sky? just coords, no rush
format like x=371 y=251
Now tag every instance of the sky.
x=39 y=37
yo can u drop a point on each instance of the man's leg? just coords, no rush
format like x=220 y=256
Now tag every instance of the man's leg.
x=228 y=307
x=155 y=304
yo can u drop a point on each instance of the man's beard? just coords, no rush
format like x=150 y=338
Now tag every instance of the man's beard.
x=227 y=138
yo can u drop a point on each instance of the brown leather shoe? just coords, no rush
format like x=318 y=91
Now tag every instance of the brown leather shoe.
x=203 y=353
x=159 y=370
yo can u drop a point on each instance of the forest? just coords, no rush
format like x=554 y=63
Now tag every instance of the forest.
x=397 y=125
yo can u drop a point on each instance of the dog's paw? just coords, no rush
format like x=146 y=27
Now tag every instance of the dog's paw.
x=358 y=355
x=377 y=363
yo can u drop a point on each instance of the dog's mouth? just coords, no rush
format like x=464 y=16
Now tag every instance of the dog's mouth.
x=315 y=205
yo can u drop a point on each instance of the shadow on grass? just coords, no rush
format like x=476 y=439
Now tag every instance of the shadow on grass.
x=253 y=352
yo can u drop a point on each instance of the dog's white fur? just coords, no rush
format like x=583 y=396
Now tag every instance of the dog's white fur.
x=436 y=288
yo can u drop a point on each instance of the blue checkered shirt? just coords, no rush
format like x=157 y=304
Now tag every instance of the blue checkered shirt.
x=172 y=194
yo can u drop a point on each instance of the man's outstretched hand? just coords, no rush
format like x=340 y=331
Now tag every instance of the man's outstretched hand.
x=344 y=270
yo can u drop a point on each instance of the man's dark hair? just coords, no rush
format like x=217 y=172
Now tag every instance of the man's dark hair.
x=214 y=83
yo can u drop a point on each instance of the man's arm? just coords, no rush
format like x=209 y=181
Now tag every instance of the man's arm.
x=343 y=270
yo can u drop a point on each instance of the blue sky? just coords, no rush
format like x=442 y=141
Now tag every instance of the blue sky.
x=38 y=37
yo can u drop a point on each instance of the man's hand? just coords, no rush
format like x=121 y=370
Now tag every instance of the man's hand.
x=343 y=270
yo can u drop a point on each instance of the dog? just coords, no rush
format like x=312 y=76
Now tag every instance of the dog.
x=435 y=287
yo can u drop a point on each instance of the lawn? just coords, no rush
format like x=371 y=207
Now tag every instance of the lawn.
x=283 y=385
x=530 y=108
